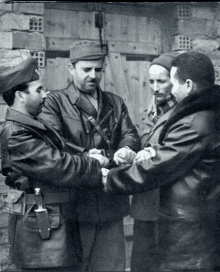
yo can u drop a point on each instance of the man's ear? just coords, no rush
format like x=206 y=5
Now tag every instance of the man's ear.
x=189 y=86
x=20 y=96
x=71 y=68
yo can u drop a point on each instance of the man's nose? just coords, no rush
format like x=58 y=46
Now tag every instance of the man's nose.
x=44 y=93
x=92 y=73
x=155 y=87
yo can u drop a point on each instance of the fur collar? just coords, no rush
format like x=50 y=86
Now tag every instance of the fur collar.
x=201 y=100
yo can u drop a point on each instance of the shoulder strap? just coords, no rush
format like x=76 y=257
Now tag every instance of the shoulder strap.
x=95 y=124
x=92 y=120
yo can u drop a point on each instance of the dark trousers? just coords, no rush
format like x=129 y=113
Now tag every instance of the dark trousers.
x=103 y=246
x=145 y=236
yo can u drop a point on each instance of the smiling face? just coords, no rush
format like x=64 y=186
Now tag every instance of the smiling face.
x=34 y=98
x=160 y=83
x=87 y=74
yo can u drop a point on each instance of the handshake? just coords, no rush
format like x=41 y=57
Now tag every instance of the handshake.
x=123 y=156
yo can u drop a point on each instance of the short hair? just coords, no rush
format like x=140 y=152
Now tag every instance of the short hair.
x=9 y=96
x=195 y=66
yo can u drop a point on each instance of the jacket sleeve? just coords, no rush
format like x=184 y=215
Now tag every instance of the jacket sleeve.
x=129 y=134
x=181 y=149
x=34 y=158
x=146 y=127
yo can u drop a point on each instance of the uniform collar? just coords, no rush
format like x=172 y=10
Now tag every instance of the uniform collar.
x=78 y=98
x=74 y=94
x=17 y=116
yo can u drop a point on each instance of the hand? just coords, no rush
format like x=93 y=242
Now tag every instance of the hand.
x=145 y=154
x=94 y=151
x=104 y=162
x=124 y=155
x=104 y=178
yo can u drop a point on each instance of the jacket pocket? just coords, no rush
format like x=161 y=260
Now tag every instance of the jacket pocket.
x=16 y=201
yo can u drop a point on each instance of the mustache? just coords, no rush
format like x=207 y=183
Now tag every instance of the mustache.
x=93 y=80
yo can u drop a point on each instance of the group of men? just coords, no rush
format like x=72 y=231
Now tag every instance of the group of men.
x=72 y=157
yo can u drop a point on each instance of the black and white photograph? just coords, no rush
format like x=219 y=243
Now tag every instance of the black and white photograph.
x=109 y=136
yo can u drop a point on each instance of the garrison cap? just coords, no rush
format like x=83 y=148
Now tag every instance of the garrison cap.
x=87 y=50
x=165 y=60
x=24 y=72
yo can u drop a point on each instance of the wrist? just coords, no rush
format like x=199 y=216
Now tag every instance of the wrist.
x=127 y=147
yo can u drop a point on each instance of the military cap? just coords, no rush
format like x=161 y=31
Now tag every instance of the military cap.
x=24 y=72
x=164 y=60
x=86 y=50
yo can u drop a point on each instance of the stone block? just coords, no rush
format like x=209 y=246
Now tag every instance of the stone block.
x=6 y=263
x=10 y=21
x=11 y=58
x=203 y=12
x=2 y=12
x=192 y=26
x=33 y=40
x=6 y=6
x=217 y=12
x=33 y=8
x=6 y=40
x=211 y=30
x=204 y=45
x=218 y=28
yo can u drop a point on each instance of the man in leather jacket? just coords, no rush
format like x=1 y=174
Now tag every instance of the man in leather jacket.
x=186 y=168
x=144 y=207
x=89 y=118
x=42 y=176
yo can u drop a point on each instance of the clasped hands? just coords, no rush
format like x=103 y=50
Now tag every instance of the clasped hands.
x=124 y=156
x=140 y=157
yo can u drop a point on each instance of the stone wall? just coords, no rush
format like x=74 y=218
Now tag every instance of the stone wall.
x=196 y=26
x=17 y=42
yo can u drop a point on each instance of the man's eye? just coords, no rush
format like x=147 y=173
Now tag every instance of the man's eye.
x=98 y=70
x=87 y=70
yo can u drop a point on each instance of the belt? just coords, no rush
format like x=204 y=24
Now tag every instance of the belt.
x=52 y=198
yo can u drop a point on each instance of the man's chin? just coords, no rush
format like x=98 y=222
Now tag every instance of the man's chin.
x=90 y=90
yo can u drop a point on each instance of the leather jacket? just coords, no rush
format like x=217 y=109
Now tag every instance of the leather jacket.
x=33 y=157
x=187 y=171
x=66 y=111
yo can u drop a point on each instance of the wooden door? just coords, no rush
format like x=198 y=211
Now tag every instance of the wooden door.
x=128 y=79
